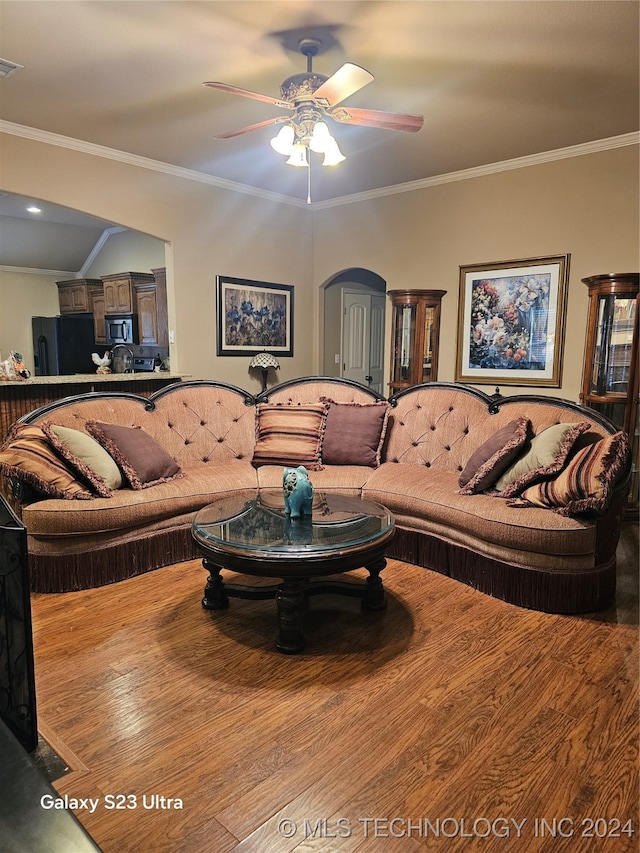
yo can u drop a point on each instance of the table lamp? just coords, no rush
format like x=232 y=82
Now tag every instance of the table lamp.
x=264 y=360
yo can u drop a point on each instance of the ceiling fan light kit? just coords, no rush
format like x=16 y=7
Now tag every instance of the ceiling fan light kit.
x=312 y=98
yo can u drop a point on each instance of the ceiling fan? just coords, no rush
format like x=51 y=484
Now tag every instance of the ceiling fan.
x=311 y=98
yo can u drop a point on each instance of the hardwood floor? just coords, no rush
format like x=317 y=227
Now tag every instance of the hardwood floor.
x=451 y=721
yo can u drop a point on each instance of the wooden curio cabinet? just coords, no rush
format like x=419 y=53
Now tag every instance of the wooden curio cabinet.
x=415 y=334
x=610 y=378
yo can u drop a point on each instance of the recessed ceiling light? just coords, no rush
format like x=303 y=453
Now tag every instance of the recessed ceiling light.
x=34 y=209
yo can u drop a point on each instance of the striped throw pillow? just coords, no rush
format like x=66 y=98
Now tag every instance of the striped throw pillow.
x=28 y=456
x=289 y=435
x=586 y=483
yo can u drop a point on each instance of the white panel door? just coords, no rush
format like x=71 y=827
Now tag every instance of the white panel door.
x=363 y=337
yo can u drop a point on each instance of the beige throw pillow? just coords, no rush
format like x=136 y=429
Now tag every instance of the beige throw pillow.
x=86 y=456
x=546 y=456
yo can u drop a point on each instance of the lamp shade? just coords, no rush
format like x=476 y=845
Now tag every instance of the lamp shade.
x=264 y=359
x=282 y=142
x=332 y=154
x=320 y=138
x=298 y=155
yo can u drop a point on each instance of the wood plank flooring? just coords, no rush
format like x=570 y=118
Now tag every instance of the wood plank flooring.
x=451 y=721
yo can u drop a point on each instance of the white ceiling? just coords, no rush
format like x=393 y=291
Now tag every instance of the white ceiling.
x=494 y=80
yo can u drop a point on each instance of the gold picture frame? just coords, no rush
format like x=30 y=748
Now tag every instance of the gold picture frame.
x=511 y=318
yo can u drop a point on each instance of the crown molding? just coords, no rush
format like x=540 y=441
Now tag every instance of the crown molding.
x=436 y=180
x=36 y=271
x=490 y=169
x=93 y=254
x=94 y=150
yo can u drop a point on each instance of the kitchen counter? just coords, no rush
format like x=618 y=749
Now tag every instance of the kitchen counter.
x=93 y=378
x=19 y=397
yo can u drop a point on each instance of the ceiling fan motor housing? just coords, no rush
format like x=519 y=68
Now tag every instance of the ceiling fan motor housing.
x=301 y=87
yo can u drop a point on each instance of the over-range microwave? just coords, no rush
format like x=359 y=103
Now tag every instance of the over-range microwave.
x=121 y=328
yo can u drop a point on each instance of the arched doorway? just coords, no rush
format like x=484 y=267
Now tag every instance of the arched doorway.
x=354 y=324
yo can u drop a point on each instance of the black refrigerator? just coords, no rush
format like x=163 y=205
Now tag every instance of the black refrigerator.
x=63 y=345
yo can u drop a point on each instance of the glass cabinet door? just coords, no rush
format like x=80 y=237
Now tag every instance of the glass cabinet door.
x=427 y=355
x=613 y=345
x=610 y=376
x=405 y=341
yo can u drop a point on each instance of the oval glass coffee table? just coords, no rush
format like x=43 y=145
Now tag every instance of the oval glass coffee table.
x=249 y=533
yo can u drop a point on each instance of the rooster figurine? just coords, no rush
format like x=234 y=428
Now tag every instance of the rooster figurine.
x=103 y=362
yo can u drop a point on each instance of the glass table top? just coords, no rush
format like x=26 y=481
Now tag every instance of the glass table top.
x=254 y=521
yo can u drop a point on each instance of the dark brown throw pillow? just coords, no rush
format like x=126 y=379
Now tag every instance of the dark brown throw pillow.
x=28 y=456
x=354 y=433
x=139 y=456
x=493 y=457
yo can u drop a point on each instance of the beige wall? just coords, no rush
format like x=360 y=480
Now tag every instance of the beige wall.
x=127 y=251
x=210 y=231
x=24 y=295
x=586 y=206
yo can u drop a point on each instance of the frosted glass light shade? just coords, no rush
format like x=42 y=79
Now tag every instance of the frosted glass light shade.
x=320 y=138
x=282 y=142
x=298 y=155
x=332 y=153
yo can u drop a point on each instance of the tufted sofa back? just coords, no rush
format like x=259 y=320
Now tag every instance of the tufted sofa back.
x=441 y=424
x=437 y=424
x=196 y=422
x=311 y=389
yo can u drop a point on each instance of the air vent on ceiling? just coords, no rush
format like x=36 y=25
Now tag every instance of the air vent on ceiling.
x=7 y=67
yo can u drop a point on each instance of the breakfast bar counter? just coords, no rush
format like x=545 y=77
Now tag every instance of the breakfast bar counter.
x=19 y=397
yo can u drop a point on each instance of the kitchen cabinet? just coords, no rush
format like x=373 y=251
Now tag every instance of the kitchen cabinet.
x=147 y=310
x=74 y=295
x=160 y=275
x=414 y=337
x=610 y=375
x=143 y=294
x=119 y=291
x=97 y=308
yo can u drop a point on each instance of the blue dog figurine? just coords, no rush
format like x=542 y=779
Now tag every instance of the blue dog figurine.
x=297 y=491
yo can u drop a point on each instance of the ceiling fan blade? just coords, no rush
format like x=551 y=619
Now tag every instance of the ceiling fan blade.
x=251 y=127
x=347 y=80
x=234 y=90
x=377 y=118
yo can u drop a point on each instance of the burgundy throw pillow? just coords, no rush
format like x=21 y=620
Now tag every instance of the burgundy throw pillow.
x=354 y=433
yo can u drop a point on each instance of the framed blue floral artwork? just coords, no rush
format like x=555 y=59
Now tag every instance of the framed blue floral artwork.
x=253 y=317
x=511 y=322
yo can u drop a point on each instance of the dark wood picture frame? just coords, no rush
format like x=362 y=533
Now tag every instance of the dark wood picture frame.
x=253 y=317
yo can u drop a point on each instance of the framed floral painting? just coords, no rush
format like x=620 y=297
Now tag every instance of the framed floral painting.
x=253 y=317
x=511 y=322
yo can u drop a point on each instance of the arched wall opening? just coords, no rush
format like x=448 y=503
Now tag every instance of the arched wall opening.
x=61 y=243
x=358 y=292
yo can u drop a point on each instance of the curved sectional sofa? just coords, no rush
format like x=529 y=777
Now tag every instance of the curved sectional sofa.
x=533 y=556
